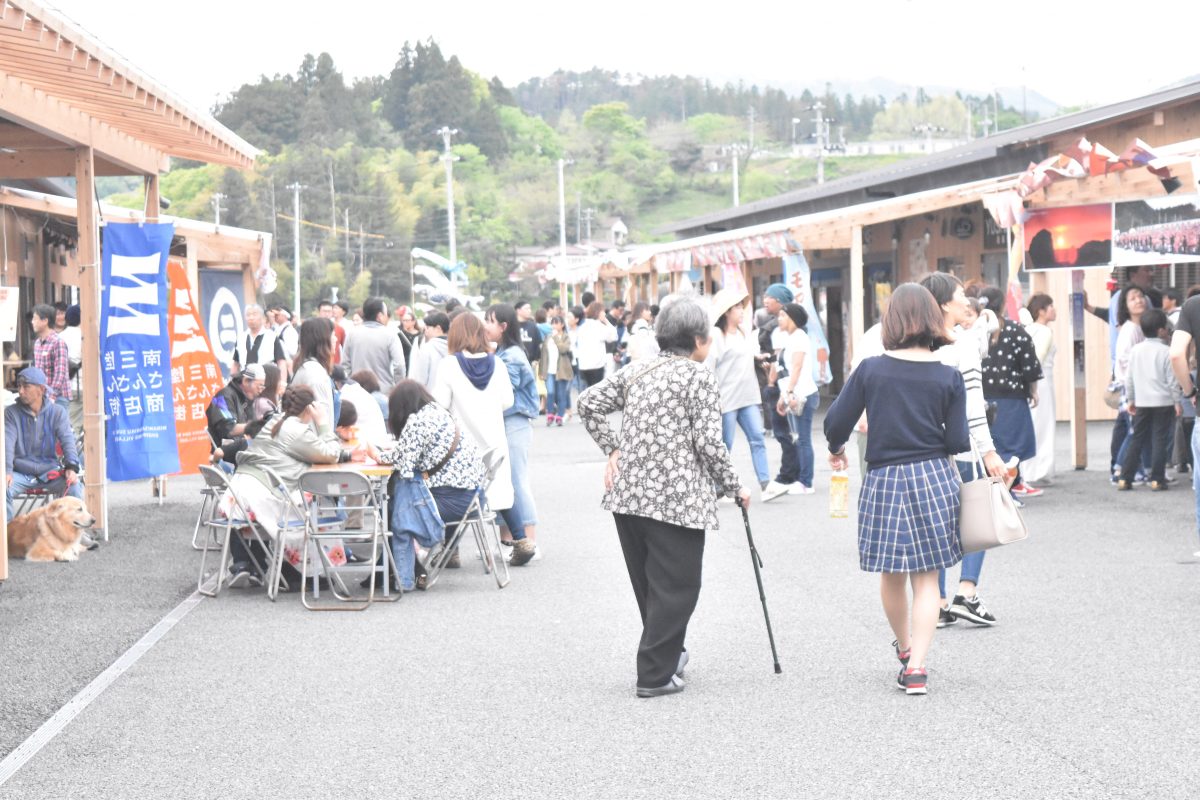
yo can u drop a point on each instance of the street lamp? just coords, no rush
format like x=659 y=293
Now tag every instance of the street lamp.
x=562 y=223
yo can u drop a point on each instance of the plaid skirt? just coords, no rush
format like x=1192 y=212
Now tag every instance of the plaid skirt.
x=908 y=517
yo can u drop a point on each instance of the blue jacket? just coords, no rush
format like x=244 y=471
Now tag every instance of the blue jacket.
x=520 y=375
x=414 y=512
x=30 y=441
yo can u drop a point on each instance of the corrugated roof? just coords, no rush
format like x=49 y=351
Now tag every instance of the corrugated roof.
x=977 y=151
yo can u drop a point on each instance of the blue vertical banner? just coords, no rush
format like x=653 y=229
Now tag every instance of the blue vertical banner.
x=798 y=277
x=135 y=351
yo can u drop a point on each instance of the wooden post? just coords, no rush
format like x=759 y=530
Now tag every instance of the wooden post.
x=857 y=291
x=95 y=472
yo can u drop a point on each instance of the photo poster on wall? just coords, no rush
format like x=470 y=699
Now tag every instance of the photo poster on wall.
x=1157 y=230
x=1072 y=237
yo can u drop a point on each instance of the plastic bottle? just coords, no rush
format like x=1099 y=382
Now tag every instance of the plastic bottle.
x=839 y=494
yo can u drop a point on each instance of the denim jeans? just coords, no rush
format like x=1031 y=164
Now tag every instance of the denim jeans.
x=21 y=482
x=801 y=425
x=519 y=431
x=452 y=504
x=789 y=468
x=749 y=418
x=558 y=395
x=972 y=563
x=1122 y=438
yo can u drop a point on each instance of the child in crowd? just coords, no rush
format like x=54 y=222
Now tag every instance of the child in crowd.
x=1154 y=400
x=347 y=430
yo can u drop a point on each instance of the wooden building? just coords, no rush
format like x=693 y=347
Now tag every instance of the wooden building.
x=71 y=107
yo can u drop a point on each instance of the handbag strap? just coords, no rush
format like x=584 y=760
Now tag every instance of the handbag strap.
x=449 y=454
x=977 y=465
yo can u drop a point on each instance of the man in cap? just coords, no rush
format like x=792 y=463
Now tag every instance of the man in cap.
x=233 y=407
x=771 y=341
x=34 y=430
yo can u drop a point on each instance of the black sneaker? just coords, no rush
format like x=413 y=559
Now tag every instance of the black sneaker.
x=244 y=577
x=945 y=617
x=913 y=681
x=972 y=610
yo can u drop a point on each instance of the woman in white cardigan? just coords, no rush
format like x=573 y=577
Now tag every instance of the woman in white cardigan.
x=474 y=388
x=314 y=364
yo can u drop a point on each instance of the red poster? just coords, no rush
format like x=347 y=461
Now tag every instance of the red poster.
x=195 y=374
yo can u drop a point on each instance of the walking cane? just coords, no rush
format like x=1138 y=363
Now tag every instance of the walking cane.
x=757 y=562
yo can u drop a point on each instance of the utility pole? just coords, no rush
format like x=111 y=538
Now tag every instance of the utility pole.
x=346 y=226
x=216 y=202
x=751 y=129
x=274 y=223
x=448 y=158
x=795 y=122
x=562 y=207
x=362 y=264
x=588 y=214
x=733 y=160
x=296 y=187
x=332 y=204
x=578 y=218
x=819 y=132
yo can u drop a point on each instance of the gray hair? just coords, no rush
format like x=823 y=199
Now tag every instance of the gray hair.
x=681 y=321
x=252 y=307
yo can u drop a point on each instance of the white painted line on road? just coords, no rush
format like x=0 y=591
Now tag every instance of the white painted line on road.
x=53 y=726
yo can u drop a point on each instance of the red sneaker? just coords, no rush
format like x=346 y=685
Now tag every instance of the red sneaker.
x=1027 y=490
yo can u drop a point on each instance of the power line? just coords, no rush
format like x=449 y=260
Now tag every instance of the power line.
x=334 y=231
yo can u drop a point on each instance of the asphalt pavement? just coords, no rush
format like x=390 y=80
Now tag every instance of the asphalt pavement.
x=1085 y=688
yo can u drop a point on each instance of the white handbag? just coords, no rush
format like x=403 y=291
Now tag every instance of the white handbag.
x=988 y=516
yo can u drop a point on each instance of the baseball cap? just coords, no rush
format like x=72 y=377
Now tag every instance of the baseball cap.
x=254 y=372
x=32 y=375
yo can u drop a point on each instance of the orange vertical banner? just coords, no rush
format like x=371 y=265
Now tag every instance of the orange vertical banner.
x=195 y=373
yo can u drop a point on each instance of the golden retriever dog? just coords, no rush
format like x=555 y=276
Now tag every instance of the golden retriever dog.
x=50 y=533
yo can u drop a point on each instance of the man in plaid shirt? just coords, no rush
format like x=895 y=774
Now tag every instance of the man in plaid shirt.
x=50 y=355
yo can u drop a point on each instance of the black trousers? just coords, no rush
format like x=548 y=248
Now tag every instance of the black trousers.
x=664 y=563
x=1151 y=427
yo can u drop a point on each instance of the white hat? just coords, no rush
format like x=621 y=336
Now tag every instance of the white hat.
x=254 y=372
x=723 y=301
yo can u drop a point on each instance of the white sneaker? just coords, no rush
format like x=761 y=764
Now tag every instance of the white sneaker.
x=724 y=500
x=773 y=490
x=800 y=488
x=537 y=553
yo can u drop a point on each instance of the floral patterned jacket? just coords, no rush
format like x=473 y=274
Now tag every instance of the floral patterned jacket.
x=671 y=450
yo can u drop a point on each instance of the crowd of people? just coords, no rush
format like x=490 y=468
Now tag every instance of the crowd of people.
x=945 y=385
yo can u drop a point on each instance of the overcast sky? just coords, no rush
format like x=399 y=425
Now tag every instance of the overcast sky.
x=1071 y=52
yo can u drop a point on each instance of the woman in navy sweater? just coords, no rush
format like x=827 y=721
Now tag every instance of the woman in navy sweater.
x=908 y=505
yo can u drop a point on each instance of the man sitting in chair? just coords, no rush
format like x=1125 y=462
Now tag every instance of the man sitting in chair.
x=34 y=433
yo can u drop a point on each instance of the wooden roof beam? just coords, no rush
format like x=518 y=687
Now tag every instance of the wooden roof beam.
x=35 y=109
x=60 y=163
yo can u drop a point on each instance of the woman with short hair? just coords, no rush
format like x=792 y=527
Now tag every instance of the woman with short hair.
x=908 y=505
x=666 y=465
x=1041 y=467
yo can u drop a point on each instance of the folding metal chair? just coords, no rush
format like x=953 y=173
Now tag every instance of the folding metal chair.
x=292 y=520
x=32 y=499
x=354 y=496
x=208 y=504
x=482 y=523
x=224 y=528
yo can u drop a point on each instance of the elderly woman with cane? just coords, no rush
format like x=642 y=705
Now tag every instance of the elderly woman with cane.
x=666 y=465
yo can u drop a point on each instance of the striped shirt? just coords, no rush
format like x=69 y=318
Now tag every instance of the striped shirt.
x=50 y=356
x=963 y=355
